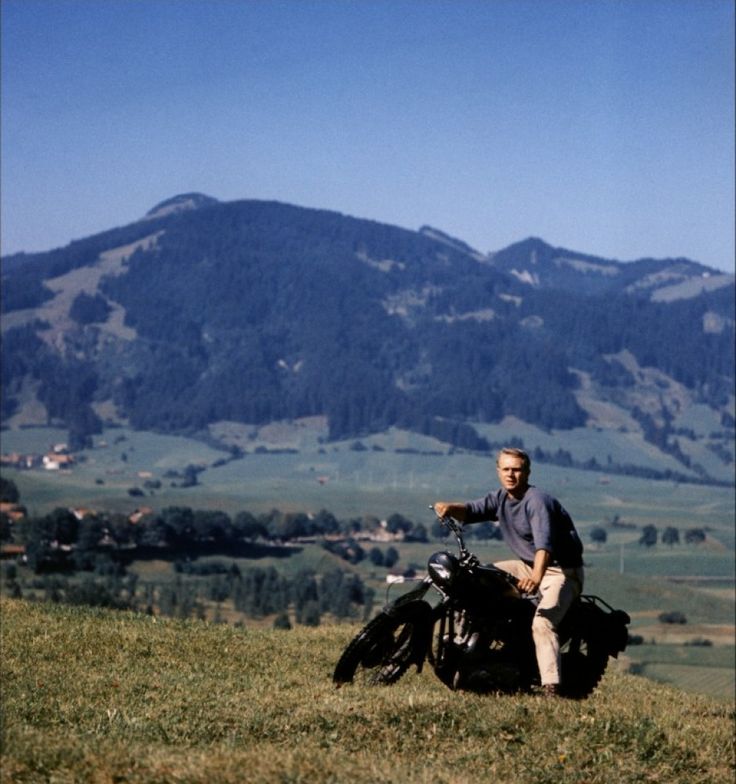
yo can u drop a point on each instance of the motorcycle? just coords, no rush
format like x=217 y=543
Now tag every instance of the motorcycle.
x=478 y=637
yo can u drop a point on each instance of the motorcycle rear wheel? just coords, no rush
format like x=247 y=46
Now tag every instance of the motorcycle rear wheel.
x=386 y=647
x=584 y=658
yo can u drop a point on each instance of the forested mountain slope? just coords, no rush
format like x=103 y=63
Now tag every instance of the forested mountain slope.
x=254 y=311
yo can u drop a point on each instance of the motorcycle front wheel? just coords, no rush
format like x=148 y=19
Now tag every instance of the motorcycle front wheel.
x=387 y=646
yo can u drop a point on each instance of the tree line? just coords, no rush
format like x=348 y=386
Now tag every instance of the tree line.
x=60 y=541
x=205 y=592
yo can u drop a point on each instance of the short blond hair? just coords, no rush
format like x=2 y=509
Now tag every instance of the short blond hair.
x=512 y=451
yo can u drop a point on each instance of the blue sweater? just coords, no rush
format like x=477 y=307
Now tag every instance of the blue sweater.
x=535 y=522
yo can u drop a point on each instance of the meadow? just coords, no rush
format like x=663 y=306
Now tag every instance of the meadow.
x=92 y=695
x=292 y=468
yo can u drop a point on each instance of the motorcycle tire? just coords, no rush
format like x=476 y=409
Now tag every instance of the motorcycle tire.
x=584 y=658
x=386 y=647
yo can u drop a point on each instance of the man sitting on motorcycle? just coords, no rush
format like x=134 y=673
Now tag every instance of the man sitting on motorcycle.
x=541 y=533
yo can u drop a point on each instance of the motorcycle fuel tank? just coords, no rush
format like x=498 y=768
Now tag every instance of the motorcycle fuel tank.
x=442 y=568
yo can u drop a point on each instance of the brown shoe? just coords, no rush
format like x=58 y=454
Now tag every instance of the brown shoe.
x=550 y=690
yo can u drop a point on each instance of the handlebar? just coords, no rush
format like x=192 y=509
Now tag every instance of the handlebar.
x=457 y=529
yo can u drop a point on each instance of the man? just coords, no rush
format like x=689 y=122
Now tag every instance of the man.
x=541 y=533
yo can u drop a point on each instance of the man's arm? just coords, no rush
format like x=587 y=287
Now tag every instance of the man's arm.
x=453 y=509
x=541 y=561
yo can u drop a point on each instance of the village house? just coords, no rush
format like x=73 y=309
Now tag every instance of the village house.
x=139 y=514
x=57 y=461
x=80 y=513
x=14 y=511
x=13 y=552
x=16 y=460
x=382 y=534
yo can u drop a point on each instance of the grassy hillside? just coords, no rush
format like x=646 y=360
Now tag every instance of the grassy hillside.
x=99 y=696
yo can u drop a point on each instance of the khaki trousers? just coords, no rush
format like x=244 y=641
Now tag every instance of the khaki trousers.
x=558 y=590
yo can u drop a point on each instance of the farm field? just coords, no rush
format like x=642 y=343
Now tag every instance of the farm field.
x=694 y=669
x=394 y=472
x=378 y=480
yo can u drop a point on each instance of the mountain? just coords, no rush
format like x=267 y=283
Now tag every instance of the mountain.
x=254 y=311
x=661 y=280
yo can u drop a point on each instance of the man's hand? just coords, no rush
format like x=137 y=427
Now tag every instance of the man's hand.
x=531 y=584
x=450 y=509
x=528 y=585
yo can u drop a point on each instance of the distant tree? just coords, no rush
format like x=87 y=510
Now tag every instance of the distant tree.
x=65 y=525
x=694 y=536
x=212 y=525
x=357 y=524
x=89 y=309
x=648 y=536
x=391 y=557
x=281 y=621
x=376 y=556
x=155 y=532
x=218 y=589
x=702 y=642
x=355 y=553
x=83 y=424
x=246 y=526
x=6 y=528
x=598 y=535
x=674 y=616
x=485 y=531
x=310 y=615
x=325 y=522
x=191 y=473
x=8 y=491
x=670 y=536
x=304 y=589
x=90 y=533
x=398 y=522
x=418 y=534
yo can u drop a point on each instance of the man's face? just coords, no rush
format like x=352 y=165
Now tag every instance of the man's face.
x=513 y=476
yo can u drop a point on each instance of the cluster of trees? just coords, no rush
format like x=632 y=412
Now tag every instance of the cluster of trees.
x=670 y=536
x=253 y=593
x=24 y=273
x=67 y=386
x=650 y=535
x=89 y=308
x=84 y=562
x=60 y=541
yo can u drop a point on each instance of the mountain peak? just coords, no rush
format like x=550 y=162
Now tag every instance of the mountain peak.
x=180 y=203
x=453 y=242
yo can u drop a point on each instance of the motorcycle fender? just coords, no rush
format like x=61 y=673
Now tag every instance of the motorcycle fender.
x=423 y=622
x=609 y=626
x=422 y=638
x=617 y=633
x=408 y=598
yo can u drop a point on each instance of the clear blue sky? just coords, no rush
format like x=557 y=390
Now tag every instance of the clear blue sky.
x=602 y=126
